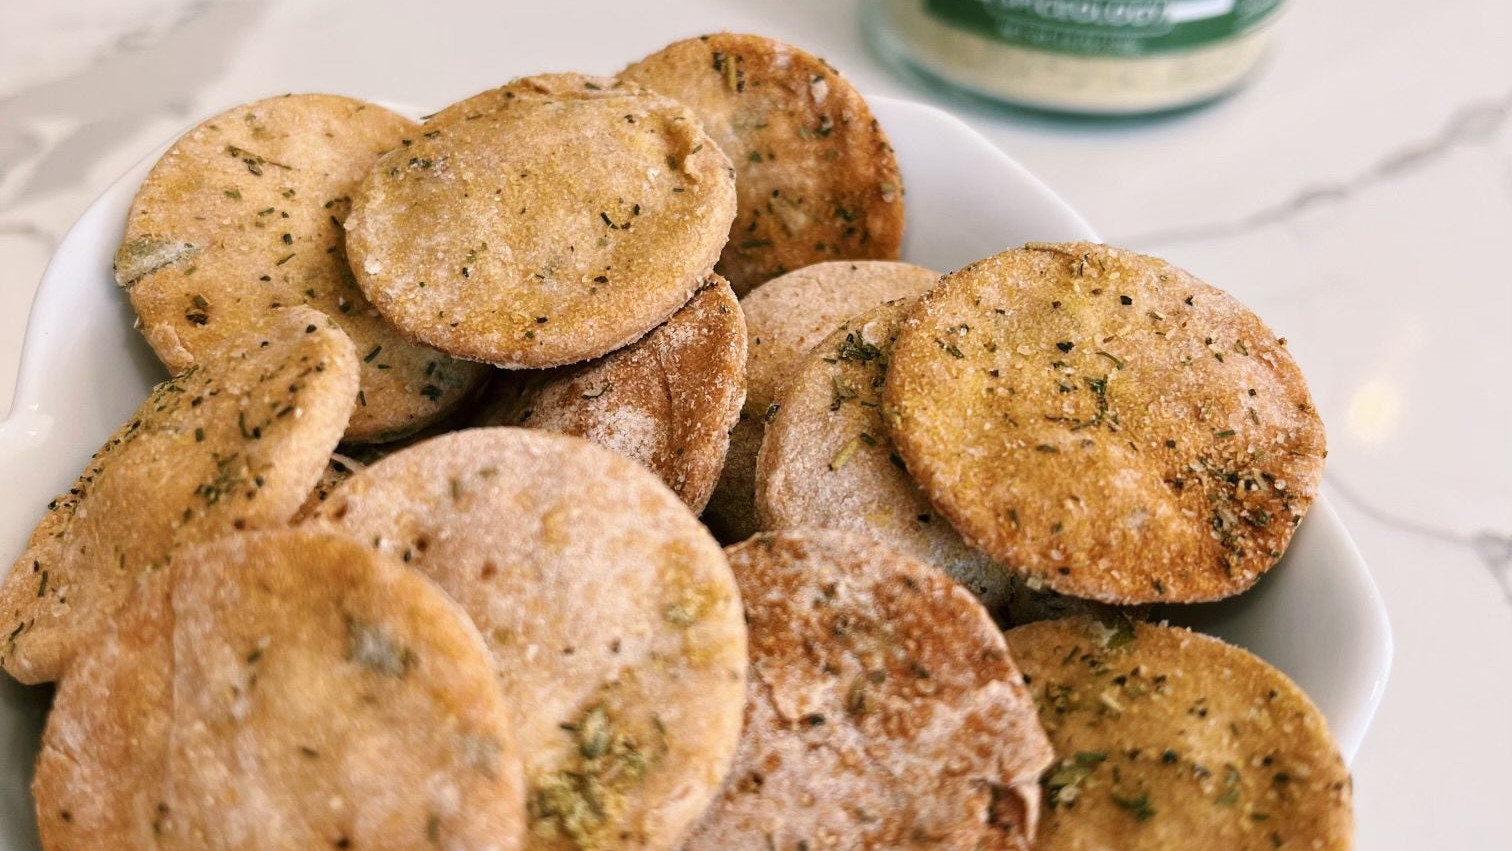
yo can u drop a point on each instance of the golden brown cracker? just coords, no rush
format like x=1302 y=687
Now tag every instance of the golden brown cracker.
x=818 y=179
x=237 y=441
x=243 y=215
x=1105 y=423
x=666 y=401
x=545 y=234
x=534 y=89
x=284 y=689
x=785 y=317
x=827 y=460
x=883 y=709
x=612 y=615
x=1173 y=740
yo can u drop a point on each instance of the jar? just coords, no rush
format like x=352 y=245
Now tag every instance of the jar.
x=1101 y=57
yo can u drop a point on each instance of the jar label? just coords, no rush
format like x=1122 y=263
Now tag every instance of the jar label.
x=1105 y=27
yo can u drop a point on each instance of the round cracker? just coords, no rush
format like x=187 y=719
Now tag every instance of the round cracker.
x=548 y=233
x=666 y=401
x=827 y=461
x=785 y=317
x=235 y=442
x=1106 y=423
x=282 y=689
x=1173 y=740
x=883 y=709
x=243 y=215
x=611 y=612
x=541 y=87
x=818 y=179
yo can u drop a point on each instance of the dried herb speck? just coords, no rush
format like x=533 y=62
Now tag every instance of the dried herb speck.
x=1139 y=807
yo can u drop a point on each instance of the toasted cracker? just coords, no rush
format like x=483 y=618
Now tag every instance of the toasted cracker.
x=818 y=179
x=243 y=215
x=1106 y=423
x=883 y=708
x=667 y=401
x=548 y=233
x=282 y=689
x=611 y=612
x=236 y=442
x=1172 y=740
x=785 y=317
x=826 y=460
x=541 y=87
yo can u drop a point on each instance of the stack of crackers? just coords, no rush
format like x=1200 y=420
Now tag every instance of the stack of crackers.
x=411 y=551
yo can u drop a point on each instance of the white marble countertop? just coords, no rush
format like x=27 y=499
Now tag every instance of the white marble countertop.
x=1357 y=195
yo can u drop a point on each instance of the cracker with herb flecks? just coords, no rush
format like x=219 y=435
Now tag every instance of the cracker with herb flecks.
x=235 y=442
x=284 y=689
x=545 y=234
x=243 y=215
x=1172 y=740
x=1105 y=423
x=785 y=317
x=610 y=611
x=883 y=709
x=827 y=461
x=818 y=179
x=531 y=90
x=667 y=401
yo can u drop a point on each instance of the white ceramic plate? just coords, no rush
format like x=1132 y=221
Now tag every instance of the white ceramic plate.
x=1317 y=615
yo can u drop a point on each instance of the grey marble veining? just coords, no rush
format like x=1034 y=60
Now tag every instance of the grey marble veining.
x=1476 y=124
x=1492 y=547
x=144 y=74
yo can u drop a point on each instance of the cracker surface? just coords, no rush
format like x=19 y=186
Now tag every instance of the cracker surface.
x=610 y=611
x=282 y=690
x=543 y=234
x=1105 y=423
x=244 y=215
x=1168 y=739
x=237 y=441
x=883 y=709
x=785 y=317
x=666 y=401
x=818 y=178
